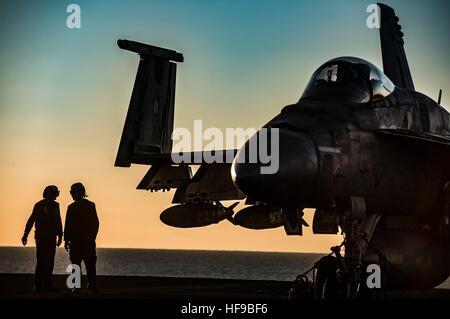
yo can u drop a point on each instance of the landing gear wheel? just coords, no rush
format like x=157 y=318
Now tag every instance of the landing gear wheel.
x=326 y=285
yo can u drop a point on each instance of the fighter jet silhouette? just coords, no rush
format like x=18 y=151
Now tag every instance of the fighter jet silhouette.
x=364 y=149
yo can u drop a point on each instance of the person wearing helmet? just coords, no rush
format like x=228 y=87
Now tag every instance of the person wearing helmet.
x=80 y=232
x=48 y=234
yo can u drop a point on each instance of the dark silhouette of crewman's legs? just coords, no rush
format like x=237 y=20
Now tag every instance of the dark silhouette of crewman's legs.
x=84 y=251
x=45 y=255
x=90 y=259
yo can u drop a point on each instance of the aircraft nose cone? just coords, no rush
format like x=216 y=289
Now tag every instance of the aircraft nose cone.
x=294 y=181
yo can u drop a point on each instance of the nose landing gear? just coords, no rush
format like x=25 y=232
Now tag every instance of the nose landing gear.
x=336 y=276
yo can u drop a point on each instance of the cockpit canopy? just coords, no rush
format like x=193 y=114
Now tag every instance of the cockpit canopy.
x=352 y=79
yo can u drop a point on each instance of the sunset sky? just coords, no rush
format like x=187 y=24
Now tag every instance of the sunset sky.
x=64 y=94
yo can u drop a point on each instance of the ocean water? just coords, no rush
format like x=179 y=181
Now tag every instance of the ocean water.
x=172 y=263
x=176 y=263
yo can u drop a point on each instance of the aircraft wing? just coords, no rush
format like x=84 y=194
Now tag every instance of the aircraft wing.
x=147 y=132
x=211 y=182
x=146 y=136
x=395 y=64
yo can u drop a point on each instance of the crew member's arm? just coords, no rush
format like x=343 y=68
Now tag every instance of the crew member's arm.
x=68 y=229
x=29 y=225
x=59 y=230
x=95 y=222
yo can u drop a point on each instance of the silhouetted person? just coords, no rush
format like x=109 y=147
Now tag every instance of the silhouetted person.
x=48 y=234
x=80 y=232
